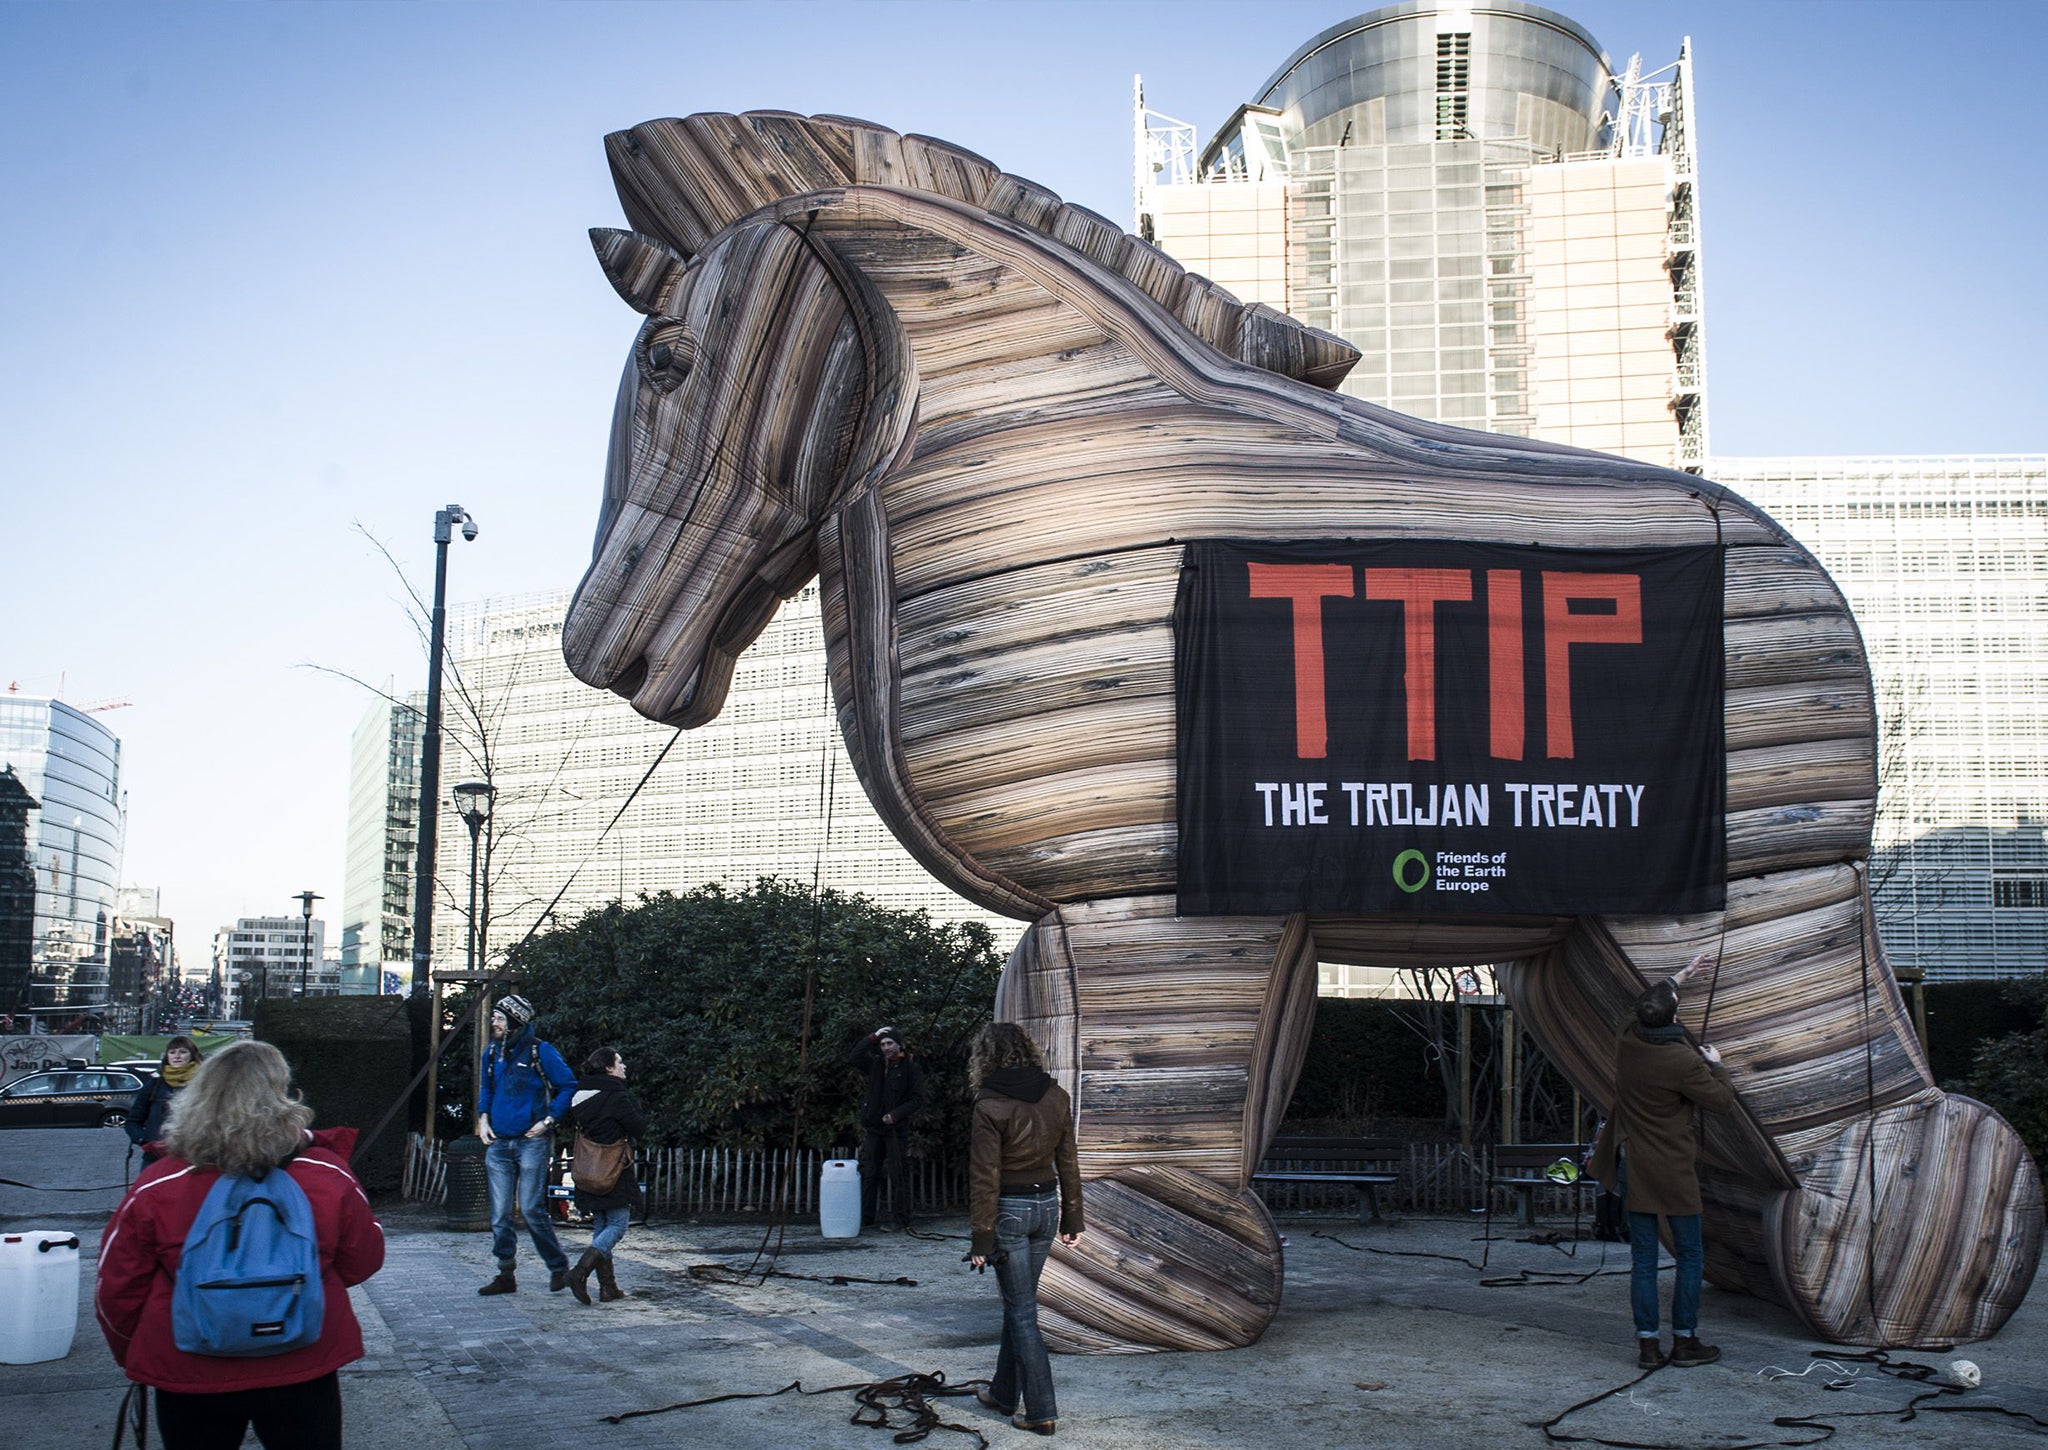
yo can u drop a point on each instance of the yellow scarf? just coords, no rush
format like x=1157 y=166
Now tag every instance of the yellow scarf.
x=176 y=1077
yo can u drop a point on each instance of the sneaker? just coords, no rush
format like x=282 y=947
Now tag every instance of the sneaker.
x=1648 y=1355
x=1688 y=1352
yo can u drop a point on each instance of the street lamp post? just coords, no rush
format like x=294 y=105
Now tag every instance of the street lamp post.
x=306 y=900
x=473 y=800
x=430 y=746
x=473 y=803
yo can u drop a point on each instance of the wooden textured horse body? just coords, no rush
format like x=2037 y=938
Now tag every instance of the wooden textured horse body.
x=988 y=422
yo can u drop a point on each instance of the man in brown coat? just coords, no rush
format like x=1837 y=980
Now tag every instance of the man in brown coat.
x=1649 y=1152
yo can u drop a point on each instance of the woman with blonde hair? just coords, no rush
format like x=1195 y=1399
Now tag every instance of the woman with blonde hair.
x=1024 y=1184
x=237 y=1116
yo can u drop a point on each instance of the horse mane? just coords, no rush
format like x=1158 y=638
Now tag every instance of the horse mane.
x=685 y=181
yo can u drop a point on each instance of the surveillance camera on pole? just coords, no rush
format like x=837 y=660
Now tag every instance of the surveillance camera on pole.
x=430 y=747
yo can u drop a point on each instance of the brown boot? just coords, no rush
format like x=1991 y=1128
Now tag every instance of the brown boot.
x=503 y=1284
x=607 y=1286
x=579 y=1277
x=1648 y=1355
x=1688 y=1352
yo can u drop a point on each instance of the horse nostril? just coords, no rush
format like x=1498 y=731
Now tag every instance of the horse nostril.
x=661 y=355
x=627 y=682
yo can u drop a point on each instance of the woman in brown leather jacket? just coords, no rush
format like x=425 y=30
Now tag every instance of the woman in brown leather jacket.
x=1023 y=1180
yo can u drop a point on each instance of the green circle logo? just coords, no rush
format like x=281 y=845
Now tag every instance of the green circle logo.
x=1401 y=864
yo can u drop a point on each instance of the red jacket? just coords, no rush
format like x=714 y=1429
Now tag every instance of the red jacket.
x=146 y=1236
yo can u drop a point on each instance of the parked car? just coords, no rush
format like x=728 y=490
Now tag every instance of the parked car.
x=88 y=1098
x=142 y=1067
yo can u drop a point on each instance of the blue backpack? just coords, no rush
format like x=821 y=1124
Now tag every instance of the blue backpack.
x=249 y=1280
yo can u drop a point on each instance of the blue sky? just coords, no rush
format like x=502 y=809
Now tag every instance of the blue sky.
x=273 y=271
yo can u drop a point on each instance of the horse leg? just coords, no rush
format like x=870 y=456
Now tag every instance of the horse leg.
x=1846 y=1185
x=1180 y=1041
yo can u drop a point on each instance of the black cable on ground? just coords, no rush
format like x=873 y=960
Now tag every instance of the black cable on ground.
x=754 y=1274
x=1937 y=1398
x=938 y=1238
x=34 y=1188
x=909 y=1394
x=1526 y=1278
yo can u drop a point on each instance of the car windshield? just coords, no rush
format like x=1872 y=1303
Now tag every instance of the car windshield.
x=41 y=1084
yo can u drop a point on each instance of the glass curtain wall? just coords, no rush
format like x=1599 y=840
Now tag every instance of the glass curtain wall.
x=71 y=764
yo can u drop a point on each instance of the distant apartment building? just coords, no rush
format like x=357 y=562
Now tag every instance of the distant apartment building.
x=69 y=764
x=276 y=956
x=383 y=836
x=1508 y=228
x=764 y=790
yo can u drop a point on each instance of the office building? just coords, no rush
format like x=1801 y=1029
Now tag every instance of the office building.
x=1504 y=226
x=276 y=956
x=69 y=765
x=383 y=809
x=1508 y=228
x=764 y=790
x=17 y=895
x=1945 y=561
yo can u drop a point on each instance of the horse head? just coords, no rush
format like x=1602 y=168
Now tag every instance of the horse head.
x=736 y=424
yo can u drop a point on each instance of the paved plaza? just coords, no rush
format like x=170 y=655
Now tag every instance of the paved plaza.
x=1379 y=1349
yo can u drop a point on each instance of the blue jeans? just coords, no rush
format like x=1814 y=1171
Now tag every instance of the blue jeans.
x=1642 y=1283
x=1025 y=1229
x=610 y=1228
x=518 y=1171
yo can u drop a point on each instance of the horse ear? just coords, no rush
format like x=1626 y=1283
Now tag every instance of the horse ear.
x=642 y=269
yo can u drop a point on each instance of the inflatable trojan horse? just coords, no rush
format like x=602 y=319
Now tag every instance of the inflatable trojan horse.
x=1139 y=632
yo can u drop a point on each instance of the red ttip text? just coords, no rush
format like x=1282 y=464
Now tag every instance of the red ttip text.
x=1418 y=593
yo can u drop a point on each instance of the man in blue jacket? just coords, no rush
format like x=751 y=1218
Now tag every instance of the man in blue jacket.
x=526 y=1086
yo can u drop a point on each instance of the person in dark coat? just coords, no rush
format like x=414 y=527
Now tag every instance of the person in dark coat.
x=1649 y=1152
x=1023 y=1186
x=895 y=1095
x=604 y=1111
x=152 y=1106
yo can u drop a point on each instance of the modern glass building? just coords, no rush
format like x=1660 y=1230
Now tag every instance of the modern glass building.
x=1945 y=561
x=70 y=765
x=1505 y=227
x=764 y=790
x=1508 y=229
x=383 y=825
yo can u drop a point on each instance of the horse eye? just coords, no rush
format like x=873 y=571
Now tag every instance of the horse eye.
x=670 y=353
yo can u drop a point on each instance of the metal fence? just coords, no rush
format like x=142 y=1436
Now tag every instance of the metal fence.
x=719 y=1182
x=1428 y=1178
x=734 y=1182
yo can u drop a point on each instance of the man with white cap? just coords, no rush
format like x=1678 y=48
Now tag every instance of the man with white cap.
x=526 y=1087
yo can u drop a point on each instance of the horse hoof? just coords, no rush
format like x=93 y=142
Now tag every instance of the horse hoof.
x=1949 y=1250
x=1171 y=1260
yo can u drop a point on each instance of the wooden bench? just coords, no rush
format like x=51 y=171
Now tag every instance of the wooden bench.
x=1521 y=1166
x=1366 y=1163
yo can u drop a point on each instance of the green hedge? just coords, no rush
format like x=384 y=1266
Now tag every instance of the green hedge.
x=1367 y=1060
x=1963 y=1016
x=351 y=1057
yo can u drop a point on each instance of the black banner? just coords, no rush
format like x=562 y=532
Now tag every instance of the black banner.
x=1440 y=727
